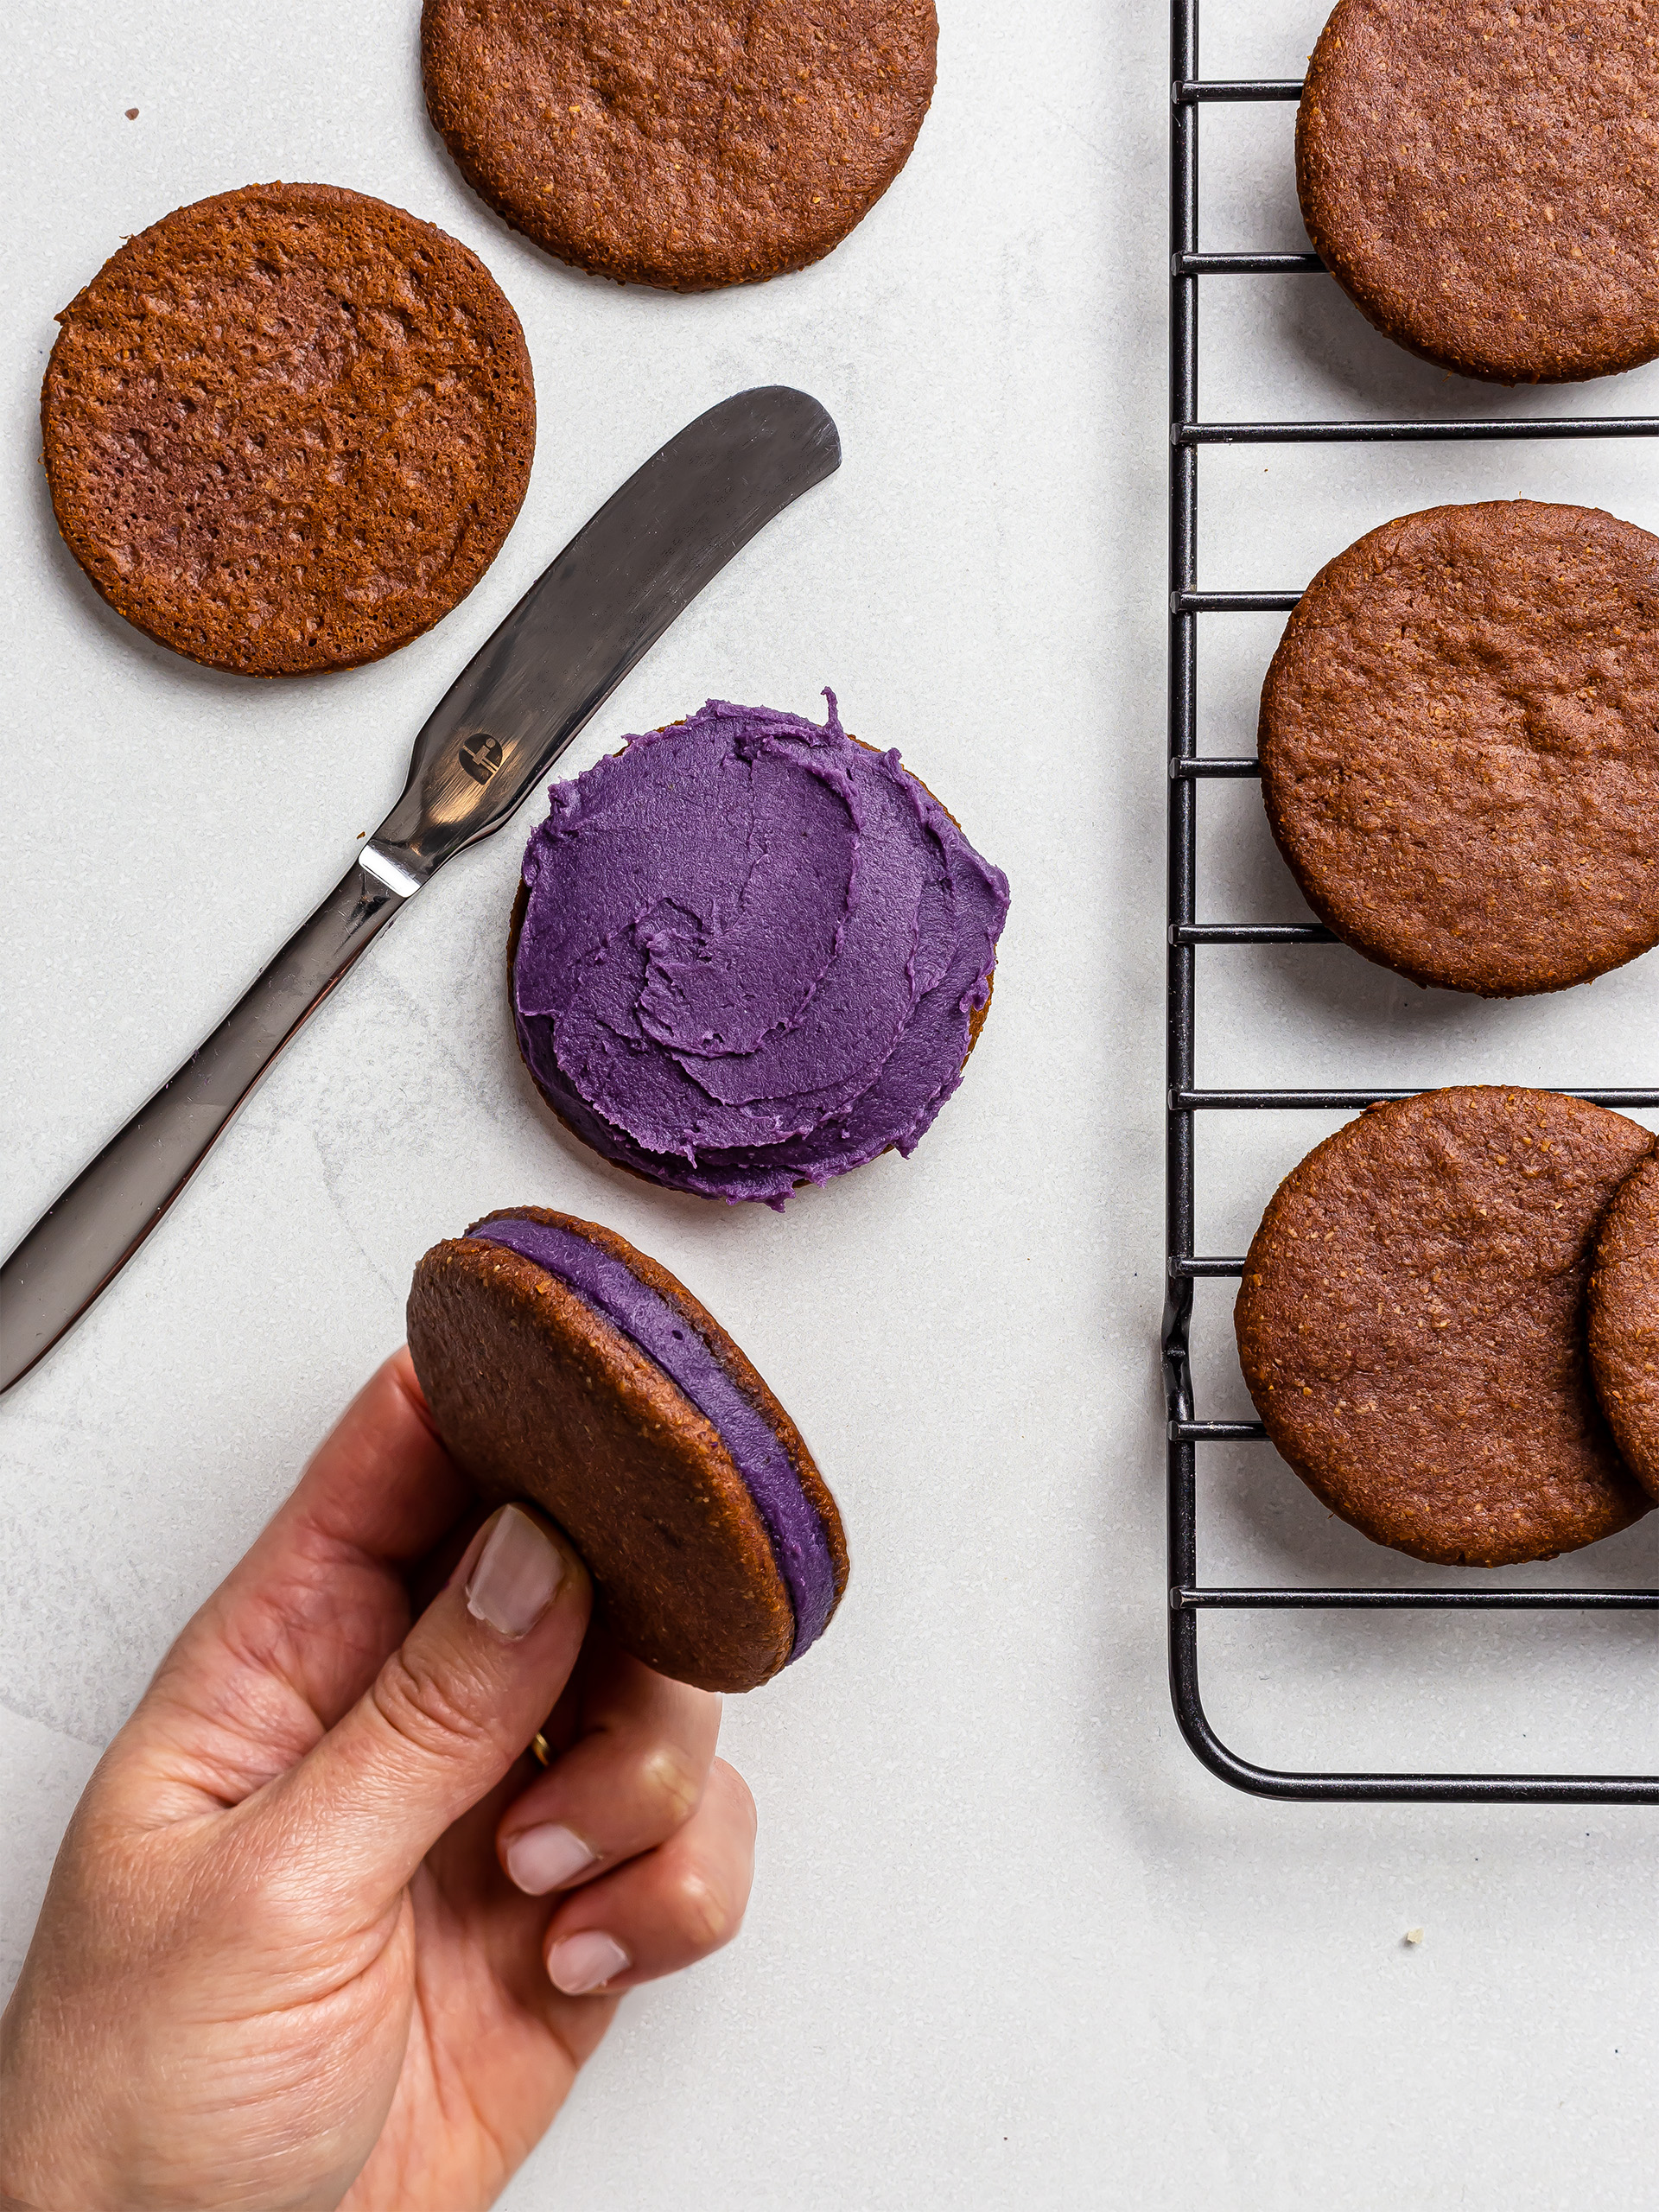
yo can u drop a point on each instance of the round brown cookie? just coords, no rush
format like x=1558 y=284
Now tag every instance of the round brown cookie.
x=1460 y=745
x=538 y=1391
x=1482 y=179
x=688 y=144
x=1411 y=1324
x=288 y=428
x=1625 y=1321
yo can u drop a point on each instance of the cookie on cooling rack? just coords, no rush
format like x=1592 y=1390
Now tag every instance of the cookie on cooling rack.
x=288 y=428
x=1460 y=745
x=564 y=1366
x=1411 y=1324
x=686 y=143
x=1482 y=181
x=1625 y=1321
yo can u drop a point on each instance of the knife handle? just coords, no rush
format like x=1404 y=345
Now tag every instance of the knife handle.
x=86 y=1237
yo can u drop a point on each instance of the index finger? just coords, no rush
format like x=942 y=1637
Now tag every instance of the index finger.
x=298 y=1630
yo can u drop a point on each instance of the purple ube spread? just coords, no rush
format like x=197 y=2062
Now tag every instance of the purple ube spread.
x=663 y=1334
x=750 y=953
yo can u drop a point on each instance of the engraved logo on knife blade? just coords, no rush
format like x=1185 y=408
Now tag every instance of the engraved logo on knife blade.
x=480 y=756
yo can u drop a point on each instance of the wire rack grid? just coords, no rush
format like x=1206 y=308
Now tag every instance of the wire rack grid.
x=1188 y=1597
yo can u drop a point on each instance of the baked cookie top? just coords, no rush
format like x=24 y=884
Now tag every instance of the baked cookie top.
x=288 y=428
x=562 y=1365
x=750 y=953
x=1460 y=744
x=1625 y=1321
x=1482 y=179
x=1411 y=1324
x=687 y=143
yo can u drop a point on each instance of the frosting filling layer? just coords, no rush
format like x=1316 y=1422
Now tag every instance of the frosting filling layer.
x=751 y=952
x=662 y=1333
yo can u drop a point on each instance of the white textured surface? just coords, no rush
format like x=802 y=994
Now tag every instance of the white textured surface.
x=1010 y=1945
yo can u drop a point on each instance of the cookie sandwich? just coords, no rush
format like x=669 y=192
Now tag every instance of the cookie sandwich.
x=1411 y=1324
x=288 y=428
x=749 y=952
x=562 y=1366
x=1460 y=744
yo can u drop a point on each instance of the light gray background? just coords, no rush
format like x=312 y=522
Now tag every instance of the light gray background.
x=1009 y=1944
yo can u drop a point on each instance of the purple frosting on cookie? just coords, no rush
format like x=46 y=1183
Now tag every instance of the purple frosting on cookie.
x=750 y=953
x=663 y=1334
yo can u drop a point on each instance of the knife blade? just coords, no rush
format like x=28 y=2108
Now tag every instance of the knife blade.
x=587 y=620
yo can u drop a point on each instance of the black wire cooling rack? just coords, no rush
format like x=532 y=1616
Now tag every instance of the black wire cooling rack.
x=1188 y=1597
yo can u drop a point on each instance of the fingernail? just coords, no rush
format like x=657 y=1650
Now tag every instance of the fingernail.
x=517 y=1573
x=585 y=1962
x=538 y=1859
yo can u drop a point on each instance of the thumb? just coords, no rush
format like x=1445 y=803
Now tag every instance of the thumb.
x=450 y=1710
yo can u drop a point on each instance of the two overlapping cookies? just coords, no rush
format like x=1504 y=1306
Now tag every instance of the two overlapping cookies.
x=1623 y=1321
x=1412 y=1324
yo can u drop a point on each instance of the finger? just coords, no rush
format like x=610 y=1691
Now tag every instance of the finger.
x=446 y=1716
x=665 y=1910
x=380 y=1481
x=297 y=1630
x=634 y=1774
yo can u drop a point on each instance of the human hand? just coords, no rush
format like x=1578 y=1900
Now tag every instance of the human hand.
x=280 y=1961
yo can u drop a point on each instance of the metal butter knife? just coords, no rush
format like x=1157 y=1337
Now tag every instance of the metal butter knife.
x=499 y=728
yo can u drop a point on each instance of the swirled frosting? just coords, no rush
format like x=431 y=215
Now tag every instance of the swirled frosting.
x=751 y=952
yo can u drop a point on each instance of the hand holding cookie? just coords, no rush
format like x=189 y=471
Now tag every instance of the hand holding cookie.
x=298 y=1948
